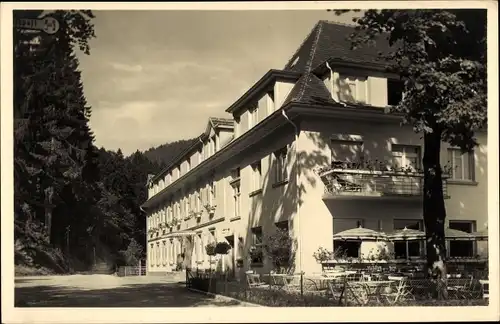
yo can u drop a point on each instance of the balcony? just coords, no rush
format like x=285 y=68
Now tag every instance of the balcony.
x=340 y=182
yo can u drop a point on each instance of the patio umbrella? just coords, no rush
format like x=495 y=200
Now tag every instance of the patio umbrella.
x=359 y=233
x=481 y=235
x=453 y=234
x=406 y=234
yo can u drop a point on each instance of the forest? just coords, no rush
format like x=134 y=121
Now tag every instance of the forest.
x=76 y=206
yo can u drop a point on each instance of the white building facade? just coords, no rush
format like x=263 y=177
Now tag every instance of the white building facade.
x=275 y=163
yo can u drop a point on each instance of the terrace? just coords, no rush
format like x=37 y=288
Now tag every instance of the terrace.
x=366 y=179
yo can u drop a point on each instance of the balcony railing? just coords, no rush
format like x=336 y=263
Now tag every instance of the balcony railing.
x=367 y=183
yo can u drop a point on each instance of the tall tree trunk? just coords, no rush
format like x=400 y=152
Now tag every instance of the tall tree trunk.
x=434 y=211
x=48 y=211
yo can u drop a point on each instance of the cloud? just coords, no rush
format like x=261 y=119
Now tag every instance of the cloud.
x=156 y=76
x=126 y=67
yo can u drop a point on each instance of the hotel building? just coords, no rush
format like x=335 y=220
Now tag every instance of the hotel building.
x=275 y=163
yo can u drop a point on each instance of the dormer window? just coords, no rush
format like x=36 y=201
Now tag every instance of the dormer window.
x=353 y=89
x=270 y=102
x=213 y=144
x=237 y=127
x=252 y=116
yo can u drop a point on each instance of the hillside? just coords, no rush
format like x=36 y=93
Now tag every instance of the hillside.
x=166 y=153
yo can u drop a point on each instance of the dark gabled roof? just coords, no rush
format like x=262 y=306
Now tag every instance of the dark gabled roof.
x=328 y=40
x=309 y=89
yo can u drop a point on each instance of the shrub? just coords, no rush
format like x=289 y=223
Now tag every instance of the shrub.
x=281 y=249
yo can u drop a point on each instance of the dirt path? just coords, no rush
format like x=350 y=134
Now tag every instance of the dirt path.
x=109 y=291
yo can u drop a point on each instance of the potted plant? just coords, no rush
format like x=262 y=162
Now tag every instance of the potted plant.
x=222 y=248
x=210 y=209
x=210 y=250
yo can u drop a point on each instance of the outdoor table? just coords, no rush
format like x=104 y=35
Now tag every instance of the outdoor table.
x=363 y=291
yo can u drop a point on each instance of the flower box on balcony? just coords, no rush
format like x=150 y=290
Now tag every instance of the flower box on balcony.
x=365 y=182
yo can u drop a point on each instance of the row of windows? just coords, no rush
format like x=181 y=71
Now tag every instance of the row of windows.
x=408 y=249
x=407 y=156
x=196 y=201
x=170 y=251
x=164 y=253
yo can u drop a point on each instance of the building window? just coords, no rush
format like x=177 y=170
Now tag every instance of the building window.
x=188 y=165
x=199 y=248
x=256 y=176
x=346 y=151
x=281 y=165
x=353 y=89
x=461 y=248
x=414 y=248
x=462 y=165
x=237 y=127
x=395 y=90
x=158 y=257
x=257 y=253
x=198 y=201
x=200 y=155
x=164 y=253
x=406 y=156
x=213 y=193
x=237 y=199
x=282 y=225
x=187 y=207
x=348 y=249
x=235 y=174
x=151 y=254
x=212 y=238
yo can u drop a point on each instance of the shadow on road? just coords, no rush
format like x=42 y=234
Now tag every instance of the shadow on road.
x=134 y=295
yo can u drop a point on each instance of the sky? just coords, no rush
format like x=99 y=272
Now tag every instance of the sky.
x=154 y=77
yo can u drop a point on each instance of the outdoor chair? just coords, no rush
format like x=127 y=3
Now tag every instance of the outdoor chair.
x=253 y=281
x=462 y=288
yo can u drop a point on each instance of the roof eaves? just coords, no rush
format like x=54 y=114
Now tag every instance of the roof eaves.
x=261 y=84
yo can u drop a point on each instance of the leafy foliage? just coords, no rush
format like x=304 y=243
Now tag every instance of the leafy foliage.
x=280 y=247
x=74 y=203
x=222 y=248
x=210 y=249
x=133 y=253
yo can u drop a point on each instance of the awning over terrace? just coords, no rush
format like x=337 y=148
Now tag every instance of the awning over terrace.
x=359 y=233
